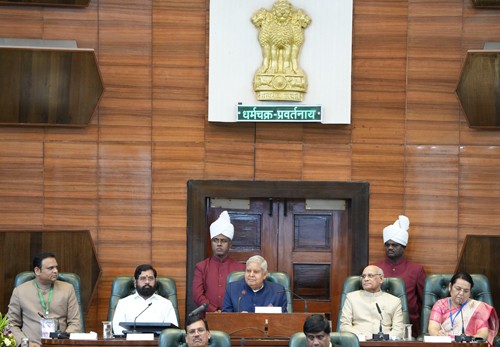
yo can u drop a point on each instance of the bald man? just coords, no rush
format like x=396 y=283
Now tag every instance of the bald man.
x=360 y=313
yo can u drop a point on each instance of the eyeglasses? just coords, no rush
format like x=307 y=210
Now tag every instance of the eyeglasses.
x=194 y=331
x=460 y=289
x=370 y=276
x=146 y=278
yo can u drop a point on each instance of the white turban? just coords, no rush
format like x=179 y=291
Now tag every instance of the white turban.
x=398 y=232
x=222 y=226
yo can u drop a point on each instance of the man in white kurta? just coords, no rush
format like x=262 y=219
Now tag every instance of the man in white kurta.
x=154 y=308
x=360 y=314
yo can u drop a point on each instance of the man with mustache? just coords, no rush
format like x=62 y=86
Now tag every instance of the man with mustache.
x=209 y=280
x=197 y=333
x=396 y=265
x=44 y=296
x=157 y=309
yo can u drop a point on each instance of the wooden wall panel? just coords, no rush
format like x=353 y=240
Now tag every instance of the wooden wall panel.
x=434 y=61
x=21 y=184
x=124 y=176
x=379 y=67
x=327 y=163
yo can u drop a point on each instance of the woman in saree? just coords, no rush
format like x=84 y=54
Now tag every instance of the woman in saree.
x=480 y=319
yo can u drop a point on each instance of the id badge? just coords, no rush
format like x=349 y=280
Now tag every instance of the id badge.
x=48 y=326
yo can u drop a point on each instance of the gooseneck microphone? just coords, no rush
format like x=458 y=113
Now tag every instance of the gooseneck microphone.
x=198 y=310
x=297 y=296
x=380 y=336
x=243 y=293
x=135 y=319
x=58 y=334
x=300 y=298
x=462 y=337
x=381 y=317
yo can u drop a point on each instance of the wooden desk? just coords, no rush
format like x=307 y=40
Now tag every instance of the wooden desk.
x=98 y=343
x=419 y=344
x=257 y=325
x=237 y=342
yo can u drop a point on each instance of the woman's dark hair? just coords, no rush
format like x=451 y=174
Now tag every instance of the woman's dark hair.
x=316 y=323
x=463 y=276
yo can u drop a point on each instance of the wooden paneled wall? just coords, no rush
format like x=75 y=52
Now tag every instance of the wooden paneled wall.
x=124 y=176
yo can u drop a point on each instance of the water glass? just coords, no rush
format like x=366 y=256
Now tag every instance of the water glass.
x=107 y=332
x=407 y=336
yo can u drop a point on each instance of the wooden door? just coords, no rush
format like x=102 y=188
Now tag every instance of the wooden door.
x=280 y=220
x=298 y=236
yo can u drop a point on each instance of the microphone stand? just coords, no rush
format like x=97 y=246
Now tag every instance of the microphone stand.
x=135 y=319
x=462 y=337
x=380 y=336
x=300 y=298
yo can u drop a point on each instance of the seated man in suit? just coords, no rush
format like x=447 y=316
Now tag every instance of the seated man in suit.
x=317 y=330
x=368 y=310
x=197 y=333
x=33 y=303
x=144 y=305
x=244 y=295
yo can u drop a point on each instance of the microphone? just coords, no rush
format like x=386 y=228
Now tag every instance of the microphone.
x=135 y=319
x=381 y=317
x=462 y=337
x=198 y=310
x=380 y=336
x=298 y=297
x=58 y=334
x=243 y=293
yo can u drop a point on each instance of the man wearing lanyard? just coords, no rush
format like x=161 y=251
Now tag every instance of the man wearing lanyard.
x=33 y=303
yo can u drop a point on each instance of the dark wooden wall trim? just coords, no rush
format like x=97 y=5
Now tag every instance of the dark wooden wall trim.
x=199 y=192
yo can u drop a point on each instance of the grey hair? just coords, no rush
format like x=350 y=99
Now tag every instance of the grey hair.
x=257 y=259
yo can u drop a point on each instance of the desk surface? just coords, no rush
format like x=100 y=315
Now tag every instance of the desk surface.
x=236 y=342
x=111 y=342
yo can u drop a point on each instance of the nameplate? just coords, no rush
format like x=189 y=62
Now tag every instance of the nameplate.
x=83 y=336
x=437 y=339
x=140 y=337
x=268 y=309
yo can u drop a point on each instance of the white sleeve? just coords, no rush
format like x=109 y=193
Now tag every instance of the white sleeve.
x=118 y=317
x=170 y=316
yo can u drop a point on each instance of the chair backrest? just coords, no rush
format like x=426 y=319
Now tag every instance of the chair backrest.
x=340 y=338
x=123 y=286
x=276 y=277
x=177 y=338
x=69 y=277
x=436 y=288
x=392 y=285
